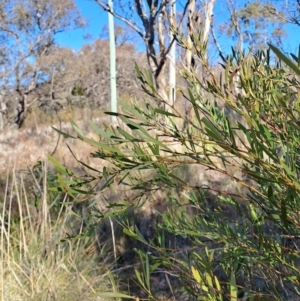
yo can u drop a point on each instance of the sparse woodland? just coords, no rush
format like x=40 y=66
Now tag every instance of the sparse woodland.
x=193 y=194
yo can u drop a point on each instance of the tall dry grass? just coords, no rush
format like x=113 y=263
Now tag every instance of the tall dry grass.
x=35 y=262
x=20 y=148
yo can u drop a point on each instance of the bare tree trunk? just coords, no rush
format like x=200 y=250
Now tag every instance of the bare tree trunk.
x=160 y=78
x=3 y=110
x=190 y=31
x=21 y=109
x=198 y=22
x=208 y=15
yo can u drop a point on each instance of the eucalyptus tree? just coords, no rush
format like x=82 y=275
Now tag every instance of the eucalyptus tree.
x=148 y=20
x=257 y=23
x=156 y=23
x=27 y=32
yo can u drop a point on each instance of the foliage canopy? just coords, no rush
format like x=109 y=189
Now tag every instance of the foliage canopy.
x=244 y=130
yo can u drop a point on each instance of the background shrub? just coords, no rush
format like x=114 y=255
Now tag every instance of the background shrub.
x=223 y=191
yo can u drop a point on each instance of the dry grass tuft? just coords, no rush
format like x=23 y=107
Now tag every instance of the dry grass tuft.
x=35 y=264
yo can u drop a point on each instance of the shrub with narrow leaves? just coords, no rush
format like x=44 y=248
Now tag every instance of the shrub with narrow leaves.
x=241 y=242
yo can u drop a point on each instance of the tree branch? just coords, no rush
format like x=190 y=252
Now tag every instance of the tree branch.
x=126 y=21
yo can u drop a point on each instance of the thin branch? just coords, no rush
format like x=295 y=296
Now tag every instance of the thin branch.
x=215 y=39
x=167 y=50
x=142 y=14
x=126 y=21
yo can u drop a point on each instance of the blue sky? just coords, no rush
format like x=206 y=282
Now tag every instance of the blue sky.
x=97 y=18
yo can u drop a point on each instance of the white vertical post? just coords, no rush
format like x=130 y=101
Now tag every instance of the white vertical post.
x=172 y=69
x=112 y=57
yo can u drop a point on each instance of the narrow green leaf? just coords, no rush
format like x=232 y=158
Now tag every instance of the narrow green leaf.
x=80 y=191
x=112 y=113
x=294 y=57
x=195 y=107
x=133 y=125
x=65 y=186
x=60 y=168
x=147 y=137
x=101 y=145
x=130 y=233
x=270 y=192
x=128 y=136
x=259 y=177
x=297 y=59
x=233 y=287
x=285 y=59
x=137 y=69
x=77 y=129
x=147 y=272
x=212 y=131
x=218 y=286
x=154 y=149
x=140 y=235
x=139 y=278
x=108 y=182
x=162 y=112
x=176 y=178
x=63 y=133
x=88 y=166
x=149 y=78
x=209 y=279
x=155 y=266
x=133 y=111
x=196 y=275
x=61 y=181
x=99 y=131
x=288 y=170
x=123 y=178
